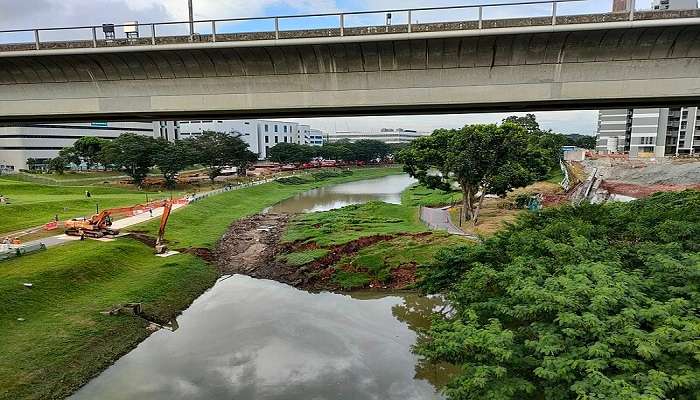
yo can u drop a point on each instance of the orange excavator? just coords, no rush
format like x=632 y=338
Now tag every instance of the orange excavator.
x=96 y=226
x=160 y=246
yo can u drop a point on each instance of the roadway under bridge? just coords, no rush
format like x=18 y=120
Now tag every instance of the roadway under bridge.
x=586 y=62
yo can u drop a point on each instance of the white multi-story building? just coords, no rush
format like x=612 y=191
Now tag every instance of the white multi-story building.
x=674 y=4
x=385 y=135
x=44 y=141
x=261 y=135
x=649 y=132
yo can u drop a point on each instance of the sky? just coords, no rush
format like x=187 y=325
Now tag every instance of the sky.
x=24 y=14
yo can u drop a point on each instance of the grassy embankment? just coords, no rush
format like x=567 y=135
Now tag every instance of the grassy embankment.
x=62 y=340
x=375 y=263
x=32 y=204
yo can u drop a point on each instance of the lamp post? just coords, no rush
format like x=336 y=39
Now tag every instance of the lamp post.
x=189 y=8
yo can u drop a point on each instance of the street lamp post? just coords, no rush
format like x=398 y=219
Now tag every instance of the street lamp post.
x=189 y=8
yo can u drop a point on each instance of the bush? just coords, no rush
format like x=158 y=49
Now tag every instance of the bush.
x=597 y=301
x=321 y=175
x=293 y=180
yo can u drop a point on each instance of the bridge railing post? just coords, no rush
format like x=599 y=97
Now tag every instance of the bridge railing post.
x=213 y=31
x=37 y=42
x=277 y=28
x=153 y=34
x=632 y=6
x=554 y=12
x=342 y=24
x=410 y=24
x=94 y=37
x=481 y=17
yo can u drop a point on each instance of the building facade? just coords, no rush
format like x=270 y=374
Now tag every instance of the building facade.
x=260 y=135
x=386 y=135
x=674 y=4
x=44 y=141
x=649 y=132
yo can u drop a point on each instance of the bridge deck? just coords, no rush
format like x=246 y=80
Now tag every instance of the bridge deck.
x=486 y=26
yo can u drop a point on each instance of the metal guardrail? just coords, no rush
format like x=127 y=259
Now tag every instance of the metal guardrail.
x=341 y=26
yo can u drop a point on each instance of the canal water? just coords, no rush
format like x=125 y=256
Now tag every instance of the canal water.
x=257 y=339
x=387 y=189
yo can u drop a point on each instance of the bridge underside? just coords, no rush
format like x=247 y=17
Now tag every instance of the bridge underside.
x=655 y=66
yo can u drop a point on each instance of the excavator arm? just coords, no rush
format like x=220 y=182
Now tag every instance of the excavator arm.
x=160 y=247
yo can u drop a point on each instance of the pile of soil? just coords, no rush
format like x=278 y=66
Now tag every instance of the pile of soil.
x=250 y=244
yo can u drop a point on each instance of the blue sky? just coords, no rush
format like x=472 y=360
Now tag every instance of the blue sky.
x=19 y=14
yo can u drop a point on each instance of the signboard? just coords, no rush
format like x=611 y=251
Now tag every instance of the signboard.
x=99 y=123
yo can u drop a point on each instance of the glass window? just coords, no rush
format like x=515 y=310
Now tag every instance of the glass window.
x=275 y=128
x=267 y=139
x=266 y=128
x=277 y=139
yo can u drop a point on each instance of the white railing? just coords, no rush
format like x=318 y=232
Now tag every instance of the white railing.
x=213 y=30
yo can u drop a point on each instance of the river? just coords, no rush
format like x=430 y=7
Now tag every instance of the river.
x=257 y=339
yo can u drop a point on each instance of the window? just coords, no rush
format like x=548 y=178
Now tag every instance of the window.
x=266 y=128
x=267 y=138
x=277 y=139
x=285 y=128
x=275 y=128
x=285 y=139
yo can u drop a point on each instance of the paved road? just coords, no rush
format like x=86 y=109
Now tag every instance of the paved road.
x=439 y=219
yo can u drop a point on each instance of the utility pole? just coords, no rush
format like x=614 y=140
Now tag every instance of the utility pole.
x=189 y=8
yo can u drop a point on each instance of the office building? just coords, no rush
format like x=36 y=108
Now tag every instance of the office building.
x=674 y=4
x=386 y=135
x=44 y=141
x=649 y=132
x=261 y=135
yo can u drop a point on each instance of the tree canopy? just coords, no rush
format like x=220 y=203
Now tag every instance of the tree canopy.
x=479 y=159
x=589 y=302
x=88 y=150
x=133 y=153
x=291 y=153
x=173 y=157
x=216 y=150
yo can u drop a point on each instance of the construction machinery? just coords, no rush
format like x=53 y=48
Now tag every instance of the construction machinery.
x=96 y=226
x=160 y=246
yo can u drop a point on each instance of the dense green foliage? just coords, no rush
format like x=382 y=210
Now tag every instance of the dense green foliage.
x=215 y=150
x=479 y=159
x=173 y=157
x=132 y=153
x=582 y=141
x=291 y=153
x=593 y=302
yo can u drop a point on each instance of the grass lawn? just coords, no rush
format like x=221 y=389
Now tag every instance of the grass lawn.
x=201 y=224
x=375 y=263
x=64 y=340
x=33 y=204
x=419 y=195
x=353 y=222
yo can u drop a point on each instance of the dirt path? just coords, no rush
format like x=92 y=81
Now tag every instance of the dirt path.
x=250 y=244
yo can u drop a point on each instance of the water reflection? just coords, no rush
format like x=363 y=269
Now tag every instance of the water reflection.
x=257 y=339
x=387 y=189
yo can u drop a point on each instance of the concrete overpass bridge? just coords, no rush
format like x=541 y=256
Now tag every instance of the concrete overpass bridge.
x=543 y=62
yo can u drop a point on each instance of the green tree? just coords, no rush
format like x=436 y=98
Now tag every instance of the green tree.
x=215 y=150
x=88 y=149
x=173 y=157
x=132 y=153
x=368 y=150
x=528 y=122
x=589 y=302
x=336 y=151
x=70 y=155
x=57 y=165
x=291 y=153
x=32 y=163
x=479 y=159
x=582 y=141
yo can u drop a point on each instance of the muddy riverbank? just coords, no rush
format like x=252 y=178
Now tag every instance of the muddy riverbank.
x=252 y=247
